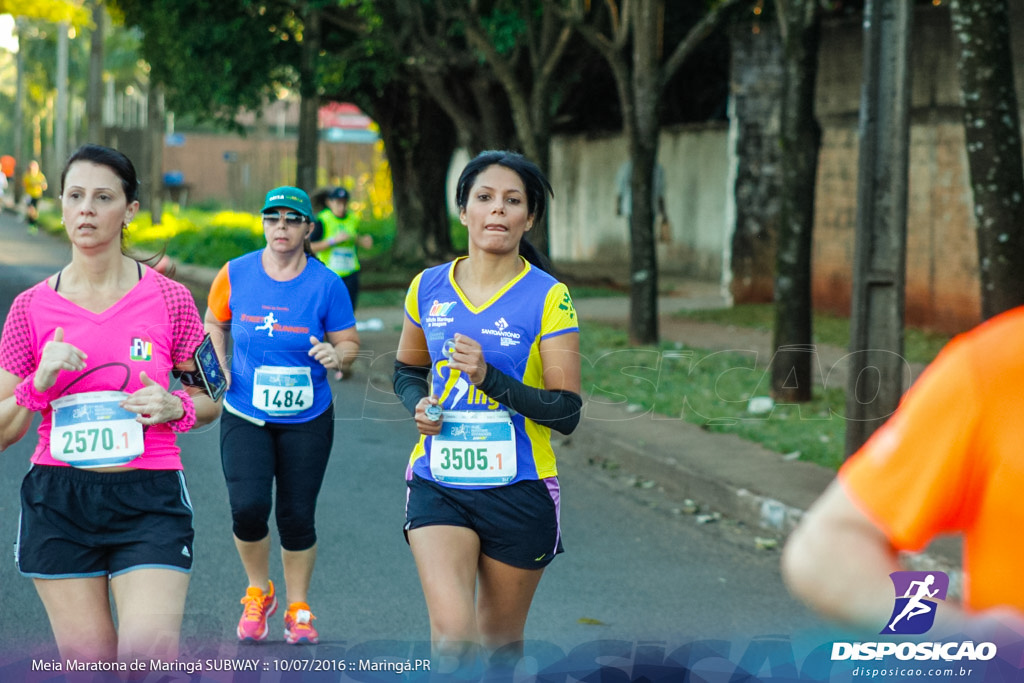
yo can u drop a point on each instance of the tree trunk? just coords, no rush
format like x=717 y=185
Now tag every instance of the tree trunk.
x=419 y=140
x=309 y=106
x=540 y=236
x=94 y=94
x=60 y=106
x=643 y=148
x=20 y=152
x=800 y=138
x=643 y=259
x=992 y=131
x=153 y=143
x=755 y=93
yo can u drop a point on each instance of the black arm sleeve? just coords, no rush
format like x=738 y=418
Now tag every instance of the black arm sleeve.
x=557 y=409
x=410 y=382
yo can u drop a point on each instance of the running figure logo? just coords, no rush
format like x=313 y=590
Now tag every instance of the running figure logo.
x=268 y=324
x=916 y=601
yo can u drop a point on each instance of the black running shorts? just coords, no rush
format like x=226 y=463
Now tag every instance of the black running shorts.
x=517 y=524
x=77 y=523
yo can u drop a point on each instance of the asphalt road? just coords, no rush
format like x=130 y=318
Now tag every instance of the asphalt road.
x=636 y=572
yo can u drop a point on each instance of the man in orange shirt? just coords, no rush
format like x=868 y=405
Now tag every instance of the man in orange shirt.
x=949 y=461
x=7 y=165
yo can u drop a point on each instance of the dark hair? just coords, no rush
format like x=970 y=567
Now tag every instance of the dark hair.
x=538 y=189
x=112 y=159
x=123 y=168
x=537 y=186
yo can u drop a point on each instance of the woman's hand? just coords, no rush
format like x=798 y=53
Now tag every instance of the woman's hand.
x=153 y=403
x=324 y=353
x=427 y=426
x=57 y=355
x=467 y=356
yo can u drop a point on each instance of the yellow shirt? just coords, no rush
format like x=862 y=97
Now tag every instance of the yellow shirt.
x=35 y=183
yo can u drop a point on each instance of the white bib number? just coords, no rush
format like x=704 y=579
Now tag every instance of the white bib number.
x=474 y=448
x=342 y=259
x=282 y=391
x=91 y=429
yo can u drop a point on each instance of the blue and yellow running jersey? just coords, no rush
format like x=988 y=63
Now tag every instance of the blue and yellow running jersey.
x=510 y=326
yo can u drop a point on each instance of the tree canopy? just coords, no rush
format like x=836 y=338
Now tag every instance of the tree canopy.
x=503 y=73
x=54 y=11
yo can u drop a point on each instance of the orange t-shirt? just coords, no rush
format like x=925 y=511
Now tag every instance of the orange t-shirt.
x=951 y=460
x=219 y=299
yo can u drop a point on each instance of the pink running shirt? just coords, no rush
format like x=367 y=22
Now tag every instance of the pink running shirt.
x=153 y=327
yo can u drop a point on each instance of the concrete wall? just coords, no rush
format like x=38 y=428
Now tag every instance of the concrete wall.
x=584 y=227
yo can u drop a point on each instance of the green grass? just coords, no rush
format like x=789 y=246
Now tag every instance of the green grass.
x=380 y=298
x=590 y=292
x=919 y=346
x=710 y=389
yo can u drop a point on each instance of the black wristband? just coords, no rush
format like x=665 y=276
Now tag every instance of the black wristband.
x=189 y=379
x=556 y=409
x=410 y=383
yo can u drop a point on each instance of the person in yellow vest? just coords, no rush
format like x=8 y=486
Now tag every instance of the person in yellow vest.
x=336 y=237
x=35 y=185
x=334 y=240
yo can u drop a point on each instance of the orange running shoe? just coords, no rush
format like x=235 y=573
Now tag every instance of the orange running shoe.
x=298 y=625
x=258 y=606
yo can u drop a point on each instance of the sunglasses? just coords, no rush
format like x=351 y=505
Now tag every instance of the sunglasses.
x=291 y=220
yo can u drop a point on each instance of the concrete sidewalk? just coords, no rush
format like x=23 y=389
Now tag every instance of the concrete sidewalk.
x=716 y=475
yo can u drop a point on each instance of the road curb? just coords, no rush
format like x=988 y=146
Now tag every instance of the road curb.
x=720 y=473
x=684 y=478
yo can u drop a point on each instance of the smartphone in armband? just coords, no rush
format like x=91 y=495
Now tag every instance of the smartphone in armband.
x=208 y=375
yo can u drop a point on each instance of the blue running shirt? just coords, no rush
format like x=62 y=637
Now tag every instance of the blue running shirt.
x=271 y=322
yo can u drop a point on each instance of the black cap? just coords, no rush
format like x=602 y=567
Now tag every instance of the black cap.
x=338 y=193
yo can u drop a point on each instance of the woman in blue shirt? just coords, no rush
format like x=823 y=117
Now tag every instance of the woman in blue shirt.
x=290 y=321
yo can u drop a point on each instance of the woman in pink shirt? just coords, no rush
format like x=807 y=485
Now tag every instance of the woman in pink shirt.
x=92 y=349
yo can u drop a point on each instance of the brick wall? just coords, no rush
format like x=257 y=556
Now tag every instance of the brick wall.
x=238 y=171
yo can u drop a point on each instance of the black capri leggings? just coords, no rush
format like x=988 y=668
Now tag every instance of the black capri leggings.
x=296 y=455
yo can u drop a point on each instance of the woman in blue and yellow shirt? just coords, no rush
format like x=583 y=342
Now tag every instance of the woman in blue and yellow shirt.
x=492 y=340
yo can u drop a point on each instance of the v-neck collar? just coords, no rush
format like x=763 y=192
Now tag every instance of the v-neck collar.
x=108 y=312
x=494 y=297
